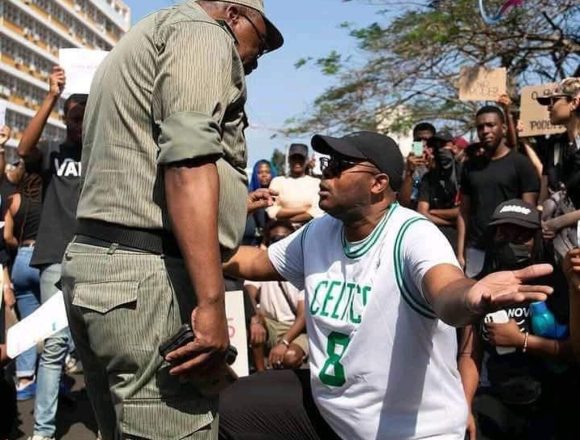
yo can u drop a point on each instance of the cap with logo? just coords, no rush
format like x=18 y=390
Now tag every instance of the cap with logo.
x=274 y=37
x=568 y=88
x=516 y=212
x=382 y=151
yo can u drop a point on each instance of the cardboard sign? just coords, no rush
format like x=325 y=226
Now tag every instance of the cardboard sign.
x=47 y=320
x=237 y=327
x=79 y=66
x=482 y=84
x=535 y=118
x=3 y=107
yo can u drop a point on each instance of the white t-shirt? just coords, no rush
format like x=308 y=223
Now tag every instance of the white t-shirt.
x=295 y=193
x=382 y=365
x=272 y=299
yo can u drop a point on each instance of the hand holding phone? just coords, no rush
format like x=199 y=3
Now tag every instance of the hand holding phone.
x=216 y=381
x=499 y=317
x=417 y=149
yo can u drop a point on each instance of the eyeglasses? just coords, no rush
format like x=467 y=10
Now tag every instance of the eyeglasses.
x=261 y=36
x=335 y=166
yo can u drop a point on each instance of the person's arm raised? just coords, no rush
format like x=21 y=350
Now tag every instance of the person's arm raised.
x=33 y=131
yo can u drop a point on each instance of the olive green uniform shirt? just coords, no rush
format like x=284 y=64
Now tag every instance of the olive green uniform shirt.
x=172 y=89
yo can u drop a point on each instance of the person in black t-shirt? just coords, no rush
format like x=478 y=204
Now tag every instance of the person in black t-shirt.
x=525 y=386
x=417 y=166
x=562 y=170
x=440 y=187
x=499 y=174
x=61 y=189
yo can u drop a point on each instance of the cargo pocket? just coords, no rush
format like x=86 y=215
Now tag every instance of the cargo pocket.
x=166 y=419
x=111 y=315
x=104 y=297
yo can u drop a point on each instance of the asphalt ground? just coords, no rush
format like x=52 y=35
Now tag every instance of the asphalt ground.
x=74 y=419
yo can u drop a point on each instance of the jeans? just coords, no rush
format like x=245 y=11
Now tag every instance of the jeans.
x=474 y=260
x=26 y=282
x=51 y=362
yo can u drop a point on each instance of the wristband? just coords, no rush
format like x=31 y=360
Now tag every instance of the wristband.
x=525 y=348
x=285 y=342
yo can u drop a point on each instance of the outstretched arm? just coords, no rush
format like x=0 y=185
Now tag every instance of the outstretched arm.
x=251 y=263
x=459 y=301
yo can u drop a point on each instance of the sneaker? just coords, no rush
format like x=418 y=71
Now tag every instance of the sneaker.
x=26 y=392
x=39 y=437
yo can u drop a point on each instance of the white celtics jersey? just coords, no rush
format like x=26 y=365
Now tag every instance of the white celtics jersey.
x=383 y=366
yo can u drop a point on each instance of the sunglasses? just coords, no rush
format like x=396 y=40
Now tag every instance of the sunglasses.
x=554 y=99
x=335 y=166
x=261 y=37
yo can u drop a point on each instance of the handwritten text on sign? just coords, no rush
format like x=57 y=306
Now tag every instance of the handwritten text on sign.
x=482 y=84
x=535 y=117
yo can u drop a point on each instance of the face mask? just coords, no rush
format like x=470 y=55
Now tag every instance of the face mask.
x=511 y=256
x=445 y=159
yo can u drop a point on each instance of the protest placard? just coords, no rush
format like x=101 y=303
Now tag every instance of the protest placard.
x=47 y=320
x=482 y=84
x=80 y=66
x=237 y=327
x=535 y=118
x=3 y=107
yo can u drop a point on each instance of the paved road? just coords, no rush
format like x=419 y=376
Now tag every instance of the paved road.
x=74 y=419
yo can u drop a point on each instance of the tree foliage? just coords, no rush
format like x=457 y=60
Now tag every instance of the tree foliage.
x=278 y=161
x=411 y=57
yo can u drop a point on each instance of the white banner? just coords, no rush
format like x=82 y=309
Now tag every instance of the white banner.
x=237 y=327
x=3 y=106
x=79 y=66
x=47 y=320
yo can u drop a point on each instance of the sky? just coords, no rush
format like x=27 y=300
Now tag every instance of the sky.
x=277 y=90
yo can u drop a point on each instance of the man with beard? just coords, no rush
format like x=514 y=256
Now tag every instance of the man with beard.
x=439 y=188
x=383 y=290
x=499 y=174
x=163 y=203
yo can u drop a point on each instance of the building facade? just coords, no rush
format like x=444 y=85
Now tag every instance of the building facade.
x=31 y=33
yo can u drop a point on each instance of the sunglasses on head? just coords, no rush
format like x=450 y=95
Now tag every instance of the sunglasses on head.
x=334 y=166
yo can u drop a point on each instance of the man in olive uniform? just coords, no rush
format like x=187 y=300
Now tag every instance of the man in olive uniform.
x=163 y=203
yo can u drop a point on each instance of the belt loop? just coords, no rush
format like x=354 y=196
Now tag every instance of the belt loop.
x=113 y=248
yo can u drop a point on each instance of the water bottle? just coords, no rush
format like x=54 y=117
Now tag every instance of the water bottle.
x=544 y=322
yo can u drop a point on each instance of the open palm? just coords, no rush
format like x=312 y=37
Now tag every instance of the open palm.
x=503 y=289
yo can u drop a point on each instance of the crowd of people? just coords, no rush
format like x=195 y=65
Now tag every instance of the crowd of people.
x=353 y=279
x=503 y=203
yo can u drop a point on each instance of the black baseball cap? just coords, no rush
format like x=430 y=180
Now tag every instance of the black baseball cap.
x=440 y=138
x=382 y=151
x=298 y=149
x=516 y=212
